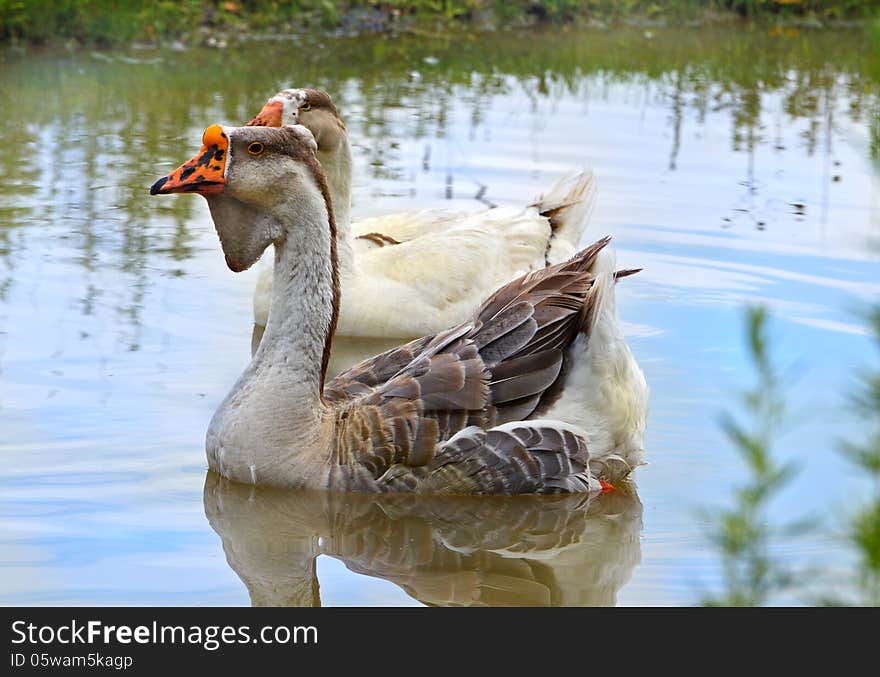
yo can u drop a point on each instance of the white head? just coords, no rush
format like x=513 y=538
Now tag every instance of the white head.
x=312 y=108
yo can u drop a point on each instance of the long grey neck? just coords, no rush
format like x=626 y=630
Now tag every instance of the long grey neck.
x=302 y=307
x=273 y=423
x=337 y=164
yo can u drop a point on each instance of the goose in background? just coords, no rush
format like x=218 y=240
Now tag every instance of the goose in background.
x=442 y=414
x=438 y=264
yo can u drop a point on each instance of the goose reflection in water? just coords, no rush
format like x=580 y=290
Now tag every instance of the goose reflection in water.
x=562 y=550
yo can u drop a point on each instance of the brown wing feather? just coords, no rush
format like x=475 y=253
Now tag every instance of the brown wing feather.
x=398 y=409
x=527 y=458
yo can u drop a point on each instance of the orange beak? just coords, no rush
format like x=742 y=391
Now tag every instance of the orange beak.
x=606 y=487
x=204 y=174
x=270 y=116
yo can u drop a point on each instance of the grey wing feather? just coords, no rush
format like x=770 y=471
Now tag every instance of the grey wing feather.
x=539 y=312
x=521 y=458
x=402 y=410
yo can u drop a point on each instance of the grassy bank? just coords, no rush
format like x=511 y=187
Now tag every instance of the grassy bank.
x=109 y=22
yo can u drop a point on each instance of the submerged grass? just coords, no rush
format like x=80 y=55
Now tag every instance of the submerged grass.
x=120 y=21
x=863 y=529
x=743 y=533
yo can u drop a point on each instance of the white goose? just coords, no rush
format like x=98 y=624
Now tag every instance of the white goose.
x=441 y=414
x=437 y=264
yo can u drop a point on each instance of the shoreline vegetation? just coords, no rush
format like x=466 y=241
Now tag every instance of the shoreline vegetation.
x=218 y=23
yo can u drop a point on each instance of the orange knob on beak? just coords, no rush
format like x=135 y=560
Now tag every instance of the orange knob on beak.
x=270 y=116
x=204 y=174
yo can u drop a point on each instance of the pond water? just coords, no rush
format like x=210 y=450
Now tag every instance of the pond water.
x=734 y=166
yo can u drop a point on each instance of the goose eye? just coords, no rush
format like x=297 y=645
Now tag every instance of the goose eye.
x=306 y=106
x=255 y=148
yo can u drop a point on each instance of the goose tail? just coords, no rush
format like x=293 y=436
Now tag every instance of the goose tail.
x=568 y=205
x=520 y=457
x=600 y=298
x=604 y=389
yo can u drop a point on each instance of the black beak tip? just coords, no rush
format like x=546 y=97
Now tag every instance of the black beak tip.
x=156 y=188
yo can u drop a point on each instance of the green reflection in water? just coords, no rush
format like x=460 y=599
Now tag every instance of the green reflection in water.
x=84 y=134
